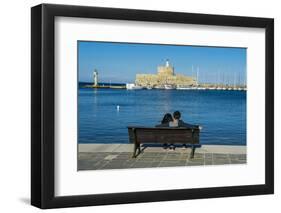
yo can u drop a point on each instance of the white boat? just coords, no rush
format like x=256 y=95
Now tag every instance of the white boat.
x=159 y=87
x=184 y=88
x=137 y=87
x=191 y=88
x=167 y=86
x=201 y=88
x=133 y=87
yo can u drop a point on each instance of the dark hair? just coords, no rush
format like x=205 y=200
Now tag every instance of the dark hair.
x=177 y=115
x=167 y=118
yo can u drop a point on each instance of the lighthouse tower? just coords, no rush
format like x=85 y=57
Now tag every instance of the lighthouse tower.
x=95 y=77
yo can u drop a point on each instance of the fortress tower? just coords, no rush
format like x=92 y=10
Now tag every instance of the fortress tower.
x=166 y=70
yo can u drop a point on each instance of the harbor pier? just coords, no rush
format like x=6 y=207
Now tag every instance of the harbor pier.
x=119 y=156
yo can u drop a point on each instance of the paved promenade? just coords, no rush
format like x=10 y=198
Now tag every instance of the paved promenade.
x=119 y=156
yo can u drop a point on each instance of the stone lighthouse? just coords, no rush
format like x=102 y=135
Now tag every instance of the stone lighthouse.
x=95 y=77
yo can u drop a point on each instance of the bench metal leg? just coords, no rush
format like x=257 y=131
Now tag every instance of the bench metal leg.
x=192 y=152
x=135 y=150
x=139 y=148
x=136 y=147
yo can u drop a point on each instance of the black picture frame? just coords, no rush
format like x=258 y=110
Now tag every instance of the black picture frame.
x=43 y=105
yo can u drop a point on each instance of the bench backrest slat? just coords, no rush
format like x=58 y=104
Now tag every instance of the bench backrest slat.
x=163 y=135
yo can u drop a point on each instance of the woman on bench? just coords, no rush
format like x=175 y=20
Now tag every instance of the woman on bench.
x=165 y=123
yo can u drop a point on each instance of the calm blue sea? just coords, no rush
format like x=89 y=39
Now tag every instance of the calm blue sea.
x=221 y=113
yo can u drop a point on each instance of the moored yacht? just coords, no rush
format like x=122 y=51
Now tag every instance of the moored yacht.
x=179 y=87
x=168 y=86
x=133 y=87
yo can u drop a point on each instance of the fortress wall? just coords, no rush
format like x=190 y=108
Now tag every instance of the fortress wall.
x=165 y=70
x=156 y=80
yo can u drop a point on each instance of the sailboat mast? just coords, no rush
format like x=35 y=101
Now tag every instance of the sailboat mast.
x=197 y=77
x=234 y=79
x=192 y=71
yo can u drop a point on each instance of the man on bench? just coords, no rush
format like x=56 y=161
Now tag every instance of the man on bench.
x=175 y=122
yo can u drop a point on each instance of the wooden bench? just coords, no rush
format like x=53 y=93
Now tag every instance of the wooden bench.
x=161 y=135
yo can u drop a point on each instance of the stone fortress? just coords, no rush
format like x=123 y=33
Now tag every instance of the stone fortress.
x=165 y=77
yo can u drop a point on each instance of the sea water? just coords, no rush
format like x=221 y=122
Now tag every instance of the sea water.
x=104 y=114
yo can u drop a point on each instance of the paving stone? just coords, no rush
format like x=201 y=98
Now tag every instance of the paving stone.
x=208 y=162
x=238 y=157
x=100 y=165
x=208 y=155
x=180 y=157
x=149 y=154
x=124 y=156
x=176 y=164
x=190 y=163
x=110 y=166
x=198 y=155
x=140 y=165
x=110 y=157
x=220 y=162
x=82 y=165
x=171 y=156
x=220 y=155
x=150 y=159
x=154 y=164
x=233 y=161
x=158 y=158
x=197 y=159
x=86 y=165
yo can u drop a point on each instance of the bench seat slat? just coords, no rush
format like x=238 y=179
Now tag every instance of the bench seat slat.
x=140 y=135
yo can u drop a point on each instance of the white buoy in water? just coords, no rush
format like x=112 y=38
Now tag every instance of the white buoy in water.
x=118 y=107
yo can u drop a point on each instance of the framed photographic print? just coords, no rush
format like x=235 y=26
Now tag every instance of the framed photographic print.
x=139 y=106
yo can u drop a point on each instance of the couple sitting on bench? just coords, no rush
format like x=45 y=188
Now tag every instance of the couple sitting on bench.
x=174 y=121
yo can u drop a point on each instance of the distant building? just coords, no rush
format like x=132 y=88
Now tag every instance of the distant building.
x=165 y=76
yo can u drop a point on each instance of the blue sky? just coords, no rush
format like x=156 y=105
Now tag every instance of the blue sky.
x=120 y=62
